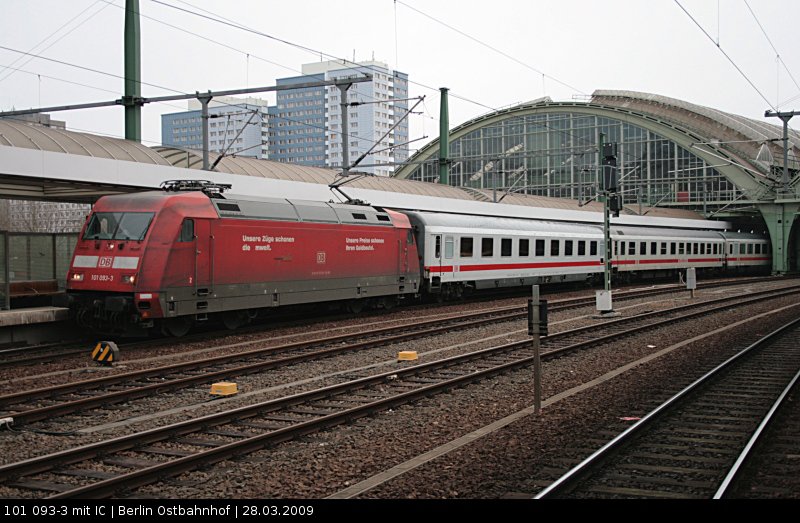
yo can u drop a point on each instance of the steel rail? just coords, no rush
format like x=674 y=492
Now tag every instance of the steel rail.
x=582 y=469
x=45 y=463
x=31 y=415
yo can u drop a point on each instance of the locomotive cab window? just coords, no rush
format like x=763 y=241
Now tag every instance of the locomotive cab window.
x=187 y=230
x=118 y=226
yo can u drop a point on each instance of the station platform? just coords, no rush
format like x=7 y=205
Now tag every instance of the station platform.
x=36 y=325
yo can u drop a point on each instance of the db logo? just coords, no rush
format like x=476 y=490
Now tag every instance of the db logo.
x=105 y=262
x=320 y=257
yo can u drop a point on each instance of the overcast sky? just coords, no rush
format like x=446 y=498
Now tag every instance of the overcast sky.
x=493 y=54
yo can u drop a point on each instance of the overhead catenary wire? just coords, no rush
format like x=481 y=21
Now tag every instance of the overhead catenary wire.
x=777 y=54
x=347 y=63
x=6 y=75
x=716 y=44
x=488 y=46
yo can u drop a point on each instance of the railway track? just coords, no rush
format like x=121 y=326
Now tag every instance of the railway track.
x=115 y=466
x=46 y=403
x=692 y=446
x=47 y=353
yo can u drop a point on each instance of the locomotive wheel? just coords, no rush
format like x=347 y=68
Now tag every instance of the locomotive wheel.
x=389 y=302
x=176 y=327
x=355 y=306
x=235 y=319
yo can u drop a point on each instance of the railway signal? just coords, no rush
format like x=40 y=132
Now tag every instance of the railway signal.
x=537 y=326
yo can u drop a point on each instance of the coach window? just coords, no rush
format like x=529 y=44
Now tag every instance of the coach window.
x=449 y=247
x=505 y=247
x=663 y=248
x=581 y=248
x=621 y=250
x=567 y=247
x=187 y=230
x=653 y=248
x=487 y=247
x=672 y=247
x=757 y=249
x=749 y=248
x=466 y=248
x=593 y=248
x=742 y=249
x=681 y=248
x=524 y=247
x=539 y=247
x=632 y=248
x=702 y=248
x=553 y=247
x=642 y=248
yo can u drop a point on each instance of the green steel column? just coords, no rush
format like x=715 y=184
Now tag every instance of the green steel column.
x=444 y=139
x=133 y=73
x=779 y=218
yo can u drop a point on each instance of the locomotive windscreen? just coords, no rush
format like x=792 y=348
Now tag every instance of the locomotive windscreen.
x=118 y=226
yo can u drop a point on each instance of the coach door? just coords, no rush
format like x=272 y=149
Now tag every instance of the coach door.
x=203 y=268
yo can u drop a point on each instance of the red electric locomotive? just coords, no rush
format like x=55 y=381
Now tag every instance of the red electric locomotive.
x=172 y=258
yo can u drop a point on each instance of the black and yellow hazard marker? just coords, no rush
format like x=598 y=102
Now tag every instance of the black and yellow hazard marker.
x=105 y=353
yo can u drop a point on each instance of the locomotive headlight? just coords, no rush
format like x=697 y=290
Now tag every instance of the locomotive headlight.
x=76 y=276
x=129 y=278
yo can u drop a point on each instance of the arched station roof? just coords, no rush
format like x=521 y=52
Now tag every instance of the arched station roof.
x=717 y=137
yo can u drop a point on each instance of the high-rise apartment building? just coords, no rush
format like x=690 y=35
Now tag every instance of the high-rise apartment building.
x=236 y=125
x=306 y=123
